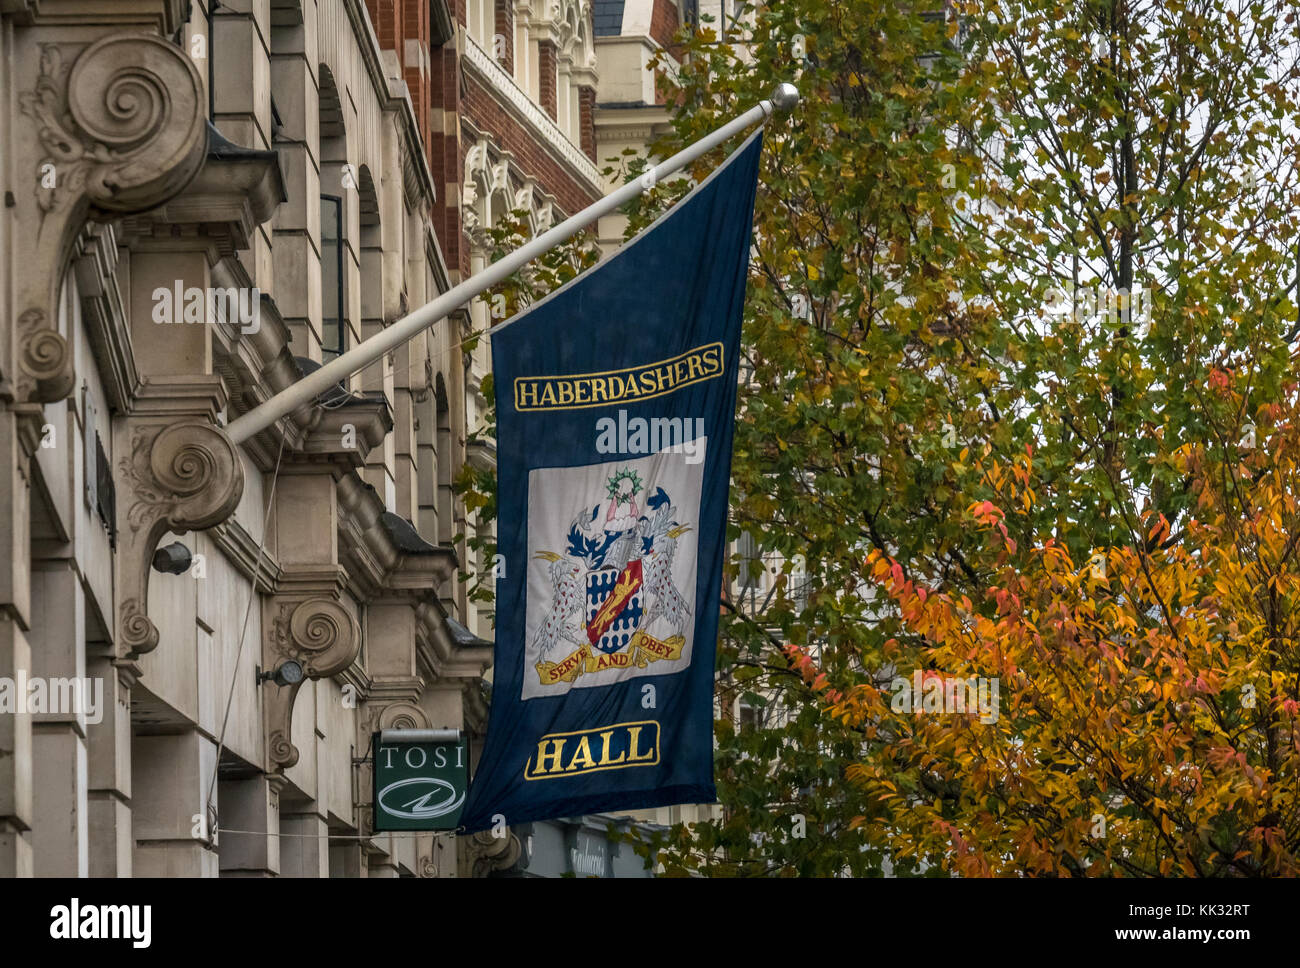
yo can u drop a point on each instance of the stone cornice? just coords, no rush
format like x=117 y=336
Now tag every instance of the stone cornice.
x=257 y=366
x=377 y=566
x=528 y=113
x=446 y=658
x=356 y=677
x=196 y=394
x=254 y=365
x=242 y=551
x=104 y=314
x=163 y=16
x=370 y=420
x=236 y=190
x=394 y=689
x=482 y=454
x=626 y=132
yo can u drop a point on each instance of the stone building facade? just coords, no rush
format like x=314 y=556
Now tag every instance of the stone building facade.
x=203 y=202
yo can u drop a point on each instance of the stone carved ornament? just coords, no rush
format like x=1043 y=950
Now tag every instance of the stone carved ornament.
x=117 y=126
x=319 y=633
x=488 y=853
x=120 y=125
x=183 y=476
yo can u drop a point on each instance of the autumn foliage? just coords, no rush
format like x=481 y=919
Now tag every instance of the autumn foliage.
x=1150 y=694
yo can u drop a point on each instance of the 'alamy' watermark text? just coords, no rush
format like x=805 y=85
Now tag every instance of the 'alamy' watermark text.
x=195 y=305
x=641 y=435
x=929 y=692
x=38 y=694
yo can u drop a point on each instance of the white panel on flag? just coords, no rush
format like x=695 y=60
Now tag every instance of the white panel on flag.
x=612 y=564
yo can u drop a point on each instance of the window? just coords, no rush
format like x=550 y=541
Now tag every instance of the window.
x=331 y=276
x=748 y=717
x=105 y=493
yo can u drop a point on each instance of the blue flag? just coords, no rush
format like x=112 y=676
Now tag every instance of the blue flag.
x=615 y=401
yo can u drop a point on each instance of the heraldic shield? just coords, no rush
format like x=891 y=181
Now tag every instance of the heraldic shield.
x=601 y=585
x=611 y=580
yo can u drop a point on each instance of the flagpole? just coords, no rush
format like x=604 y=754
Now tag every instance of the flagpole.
x=784 y=98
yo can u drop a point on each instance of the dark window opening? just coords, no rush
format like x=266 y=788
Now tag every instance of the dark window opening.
x=331 y=276
x=105 y=496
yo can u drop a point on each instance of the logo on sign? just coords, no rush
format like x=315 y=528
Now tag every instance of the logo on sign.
x=416 y=798
x=418 y=785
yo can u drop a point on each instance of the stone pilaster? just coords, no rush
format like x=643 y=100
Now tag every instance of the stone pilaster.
x=111 y=840
x=171 y=823
x=249 y=826
x=304 y=845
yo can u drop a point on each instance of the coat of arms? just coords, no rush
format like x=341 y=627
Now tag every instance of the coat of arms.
x=613 y=590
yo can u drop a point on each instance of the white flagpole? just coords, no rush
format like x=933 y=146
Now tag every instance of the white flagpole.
x=784 y=98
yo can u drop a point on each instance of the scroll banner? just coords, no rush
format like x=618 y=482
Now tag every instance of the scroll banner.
x=616 y=400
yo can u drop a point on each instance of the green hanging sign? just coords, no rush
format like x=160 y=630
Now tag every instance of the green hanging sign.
x=420 y=779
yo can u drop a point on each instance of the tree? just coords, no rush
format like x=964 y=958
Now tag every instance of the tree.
x=1151 y=722
x=940 y=331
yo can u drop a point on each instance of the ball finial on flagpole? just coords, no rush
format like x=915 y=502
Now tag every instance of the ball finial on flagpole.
x=785 y=97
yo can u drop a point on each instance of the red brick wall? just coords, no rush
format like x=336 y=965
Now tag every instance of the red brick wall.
x=504 y=26
x=415 y=19
x=489 y=116
x=547 y=77
x=395 y=22
x=446 y=94
x=383 y=16
x=664 y=22
x=445 y=157
x=587 y=120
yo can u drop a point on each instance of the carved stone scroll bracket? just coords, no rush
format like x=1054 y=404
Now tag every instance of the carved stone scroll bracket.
x=319 y=633
x=174 y=477
x=44 y=359
x=110 y=128
x=383 y=712
x=485 y=853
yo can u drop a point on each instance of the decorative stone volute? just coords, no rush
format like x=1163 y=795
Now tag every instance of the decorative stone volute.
x=105 y=129
x=125 y=123
x=174 y=477
x=321 y=634
x=485 y=853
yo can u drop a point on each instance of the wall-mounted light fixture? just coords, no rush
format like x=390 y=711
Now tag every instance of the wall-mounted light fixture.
x=288 y=673
x=174 y=559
